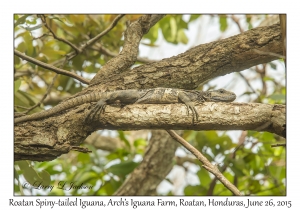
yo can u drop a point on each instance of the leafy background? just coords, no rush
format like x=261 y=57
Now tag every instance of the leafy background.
x=247 y=158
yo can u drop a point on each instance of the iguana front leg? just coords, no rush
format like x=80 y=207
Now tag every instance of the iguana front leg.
x=99 y=108
x=189 y=104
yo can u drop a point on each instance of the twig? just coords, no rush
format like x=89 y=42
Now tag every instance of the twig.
x=206 y=164
x=80 y=149
x=52 y=68
x=247 y=82
x=278 y=145
x=22 y=107
x=90 y=42
x=224 y=167
x=43 y=18
x=236 y=20
x=95 y=39
x=45 y=95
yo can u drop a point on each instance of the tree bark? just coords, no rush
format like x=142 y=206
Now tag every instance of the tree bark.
x=153 y=169
x=199 y=64
x=48 y=138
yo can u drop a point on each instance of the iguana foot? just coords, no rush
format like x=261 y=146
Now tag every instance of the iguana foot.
x=99 y=108
x=190 y=105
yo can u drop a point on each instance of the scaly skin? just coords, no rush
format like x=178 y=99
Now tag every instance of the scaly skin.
x=147 y=96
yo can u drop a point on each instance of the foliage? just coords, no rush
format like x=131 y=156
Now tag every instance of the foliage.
x=253 y=166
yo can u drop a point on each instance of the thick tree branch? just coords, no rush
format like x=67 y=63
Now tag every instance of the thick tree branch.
x=199 y=64
x=55 y=135
x=128 y=55
x=51 y=68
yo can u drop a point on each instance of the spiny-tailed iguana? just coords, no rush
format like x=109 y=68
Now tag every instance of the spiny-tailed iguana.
x=132 y=96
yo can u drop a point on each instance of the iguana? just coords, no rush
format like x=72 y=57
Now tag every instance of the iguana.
x=132 y=96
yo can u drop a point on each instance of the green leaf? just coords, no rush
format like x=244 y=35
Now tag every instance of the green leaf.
x=195 y=190
x=31 y=22
x=27 y=100
x=181 y=37
x=204 y=177
x=173 y=26
x=34 y=27
x=248 y=19
x=266 y=136
x=152 y=35
x=181 y=23
x=21 y=20
x=266 y=78
x=31 y=176
x=223 y=23
x=17 y=85
x=249 y=157
x=63 y=20
x=238 y=166
x=124 y=139
x=273 y=66
x=45 y=176
x=277 y=97
x=193 y=17
x=122 y=169
x=169 y=28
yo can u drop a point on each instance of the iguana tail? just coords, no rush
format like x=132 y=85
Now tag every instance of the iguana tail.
x=61 y=107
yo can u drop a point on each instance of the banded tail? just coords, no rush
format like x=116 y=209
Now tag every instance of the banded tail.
x=92 y=97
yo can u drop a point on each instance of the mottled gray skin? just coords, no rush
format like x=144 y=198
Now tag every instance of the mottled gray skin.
x=132 y=96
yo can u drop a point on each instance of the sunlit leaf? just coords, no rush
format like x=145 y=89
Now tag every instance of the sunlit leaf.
x=223 y=23
x=17 y=85
x=193 y=17
x=21 y=20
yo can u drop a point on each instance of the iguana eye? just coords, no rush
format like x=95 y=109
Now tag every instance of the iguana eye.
x=221 y=91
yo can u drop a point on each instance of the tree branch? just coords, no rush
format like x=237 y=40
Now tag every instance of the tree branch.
x=49 y=67
x=56 y=134
x=152 y=170
x=95 y=39
x=206 y=164
x=45 y=95
x=43 y=18
x=197 y=65
x=128 y=55
x=213 y=183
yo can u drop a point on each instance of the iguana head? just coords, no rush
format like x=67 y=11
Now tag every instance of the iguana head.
x=219 y=95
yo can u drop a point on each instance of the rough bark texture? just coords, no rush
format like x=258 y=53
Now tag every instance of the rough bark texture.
x=154 y=168
x=193 y=67
x=48 y=138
